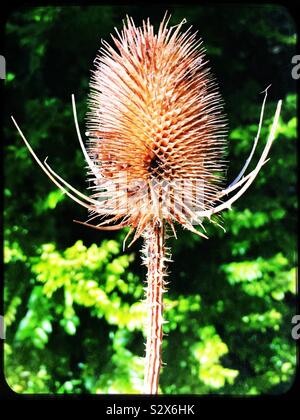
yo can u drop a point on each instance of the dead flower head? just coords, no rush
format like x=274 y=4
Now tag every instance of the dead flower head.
x=157 y=133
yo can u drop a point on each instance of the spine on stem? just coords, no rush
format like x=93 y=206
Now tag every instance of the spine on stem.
x=155 y=258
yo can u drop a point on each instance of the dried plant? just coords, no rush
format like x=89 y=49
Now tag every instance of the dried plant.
x=157 y=137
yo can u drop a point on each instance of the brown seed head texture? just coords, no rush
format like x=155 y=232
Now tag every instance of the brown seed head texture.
x=157 y=137
x=157 y=133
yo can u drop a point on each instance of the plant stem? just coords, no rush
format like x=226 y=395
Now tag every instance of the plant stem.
x=155 y=259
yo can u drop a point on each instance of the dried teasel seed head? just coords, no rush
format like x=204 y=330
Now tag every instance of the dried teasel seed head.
x=157 y=132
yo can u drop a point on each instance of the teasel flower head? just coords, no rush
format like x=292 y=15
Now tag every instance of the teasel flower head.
x=156 y=127
x=157 y=134
x=155 y=152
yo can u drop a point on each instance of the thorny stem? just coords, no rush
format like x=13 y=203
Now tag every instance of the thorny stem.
x=154 y=250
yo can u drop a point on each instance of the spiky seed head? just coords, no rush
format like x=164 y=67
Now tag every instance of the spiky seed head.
x=156 y=127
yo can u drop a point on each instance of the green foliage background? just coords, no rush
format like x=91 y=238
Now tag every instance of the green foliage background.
x=73 y=307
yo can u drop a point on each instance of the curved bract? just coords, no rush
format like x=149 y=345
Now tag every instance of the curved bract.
x=157 y=134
